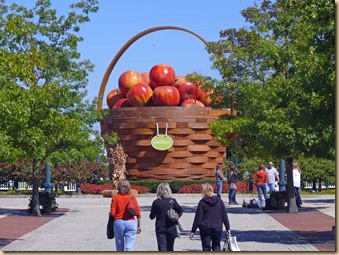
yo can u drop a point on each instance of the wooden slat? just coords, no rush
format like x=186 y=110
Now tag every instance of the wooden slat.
x=180 y=154
x=197 y=125
x=179 y=131
x=196 y=148
x=202 y=137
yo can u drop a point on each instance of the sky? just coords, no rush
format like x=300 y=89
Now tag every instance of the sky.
x=118 y=21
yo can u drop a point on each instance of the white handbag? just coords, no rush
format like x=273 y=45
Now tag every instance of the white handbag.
x=231 y=243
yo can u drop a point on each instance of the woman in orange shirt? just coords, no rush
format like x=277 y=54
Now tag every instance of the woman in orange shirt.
x=125 y=227
x=259 y=179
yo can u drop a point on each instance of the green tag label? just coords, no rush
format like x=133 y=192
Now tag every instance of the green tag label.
x=162 y=142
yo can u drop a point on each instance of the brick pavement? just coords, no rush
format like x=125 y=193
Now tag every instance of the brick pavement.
x=18 y=223
x=312 y=225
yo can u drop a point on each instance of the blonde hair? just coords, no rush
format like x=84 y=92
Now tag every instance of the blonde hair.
x=207 y=190
x=124 y=187
x=164 y=190
x=296 y=166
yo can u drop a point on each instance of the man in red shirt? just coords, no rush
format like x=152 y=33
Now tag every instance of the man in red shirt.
x=259 y=179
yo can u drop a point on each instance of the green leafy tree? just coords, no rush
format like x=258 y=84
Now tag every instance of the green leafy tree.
x=320 y=169
x=279 y=74
x=44 y=117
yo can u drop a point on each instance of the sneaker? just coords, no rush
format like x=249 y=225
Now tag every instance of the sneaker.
x=231 y=203
x=236 y=203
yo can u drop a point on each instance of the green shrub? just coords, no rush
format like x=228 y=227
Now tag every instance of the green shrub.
x=26 y=192
x=9 y=192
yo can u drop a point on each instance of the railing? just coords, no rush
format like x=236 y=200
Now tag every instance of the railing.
x=24 y=186
x=309 y=185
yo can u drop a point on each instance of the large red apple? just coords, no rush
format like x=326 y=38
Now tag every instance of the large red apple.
x=161 y=75
x=178 y=77
x=192 y=103
x=123 y=102
x=112 y=97
x=166 y=96
x=187 y=89
x=139 y=94
x=127 y=80
x=205 y=97
x=145 y=77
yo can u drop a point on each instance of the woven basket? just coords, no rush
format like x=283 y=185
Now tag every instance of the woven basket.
x=194 y=153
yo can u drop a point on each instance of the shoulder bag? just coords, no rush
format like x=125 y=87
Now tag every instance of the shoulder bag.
x=171 y=213
x=131 y=206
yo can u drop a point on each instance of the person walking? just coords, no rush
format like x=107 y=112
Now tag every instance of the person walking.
x=125 y=226
x=165 y=229
x=232 y=177
x=210 y=216
x=259 y=180
x=273 y=175
x=297 y=183
x=219 y=178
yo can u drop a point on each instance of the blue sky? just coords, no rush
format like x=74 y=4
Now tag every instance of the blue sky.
x=118 y=21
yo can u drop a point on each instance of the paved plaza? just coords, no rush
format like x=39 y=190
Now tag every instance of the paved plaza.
x=80 y=225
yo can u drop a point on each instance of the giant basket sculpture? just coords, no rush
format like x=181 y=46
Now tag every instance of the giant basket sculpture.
x=194 y=153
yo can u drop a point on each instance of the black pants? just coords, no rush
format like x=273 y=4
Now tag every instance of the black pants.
x=166 y=237
x=210 y=235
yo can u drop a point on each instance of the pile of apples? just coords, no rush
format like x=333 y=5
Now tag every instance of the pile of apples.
x=158 y=87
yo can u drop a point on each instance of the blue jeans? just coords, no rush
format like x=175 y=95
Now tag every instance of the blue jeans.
x=219 y=188
x=166 y=237
x=261 y=189
x=270 y=187
x=231 y=196
x=210 y=235
x=125 y=230
x=297 y=196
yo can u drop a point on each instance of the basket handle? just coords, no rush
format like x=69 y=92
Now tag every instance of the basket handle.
x=125 y=47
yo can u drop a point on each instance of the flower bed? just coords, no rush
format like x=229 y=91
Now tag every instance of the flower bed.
x=242 y=187
x=88 y=188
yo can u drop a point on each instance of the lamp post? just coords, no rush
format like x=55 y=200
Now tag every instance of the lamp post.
x=282 y=175
x=48 y=186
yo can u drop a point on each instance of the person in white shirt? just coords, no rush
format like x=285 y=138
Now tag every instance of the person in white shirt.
x=273 y=175
x=296 y=183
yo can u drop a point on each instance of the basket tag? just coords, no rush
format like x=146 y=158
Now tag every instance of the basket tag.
x=162 y=142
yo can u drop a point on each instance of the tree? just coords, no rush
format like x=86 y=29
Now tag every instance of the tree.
x=280 y=75
x=44 y=117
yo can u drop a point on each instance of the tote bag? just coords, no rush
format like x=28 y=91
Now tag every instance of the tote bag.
x=230 y=243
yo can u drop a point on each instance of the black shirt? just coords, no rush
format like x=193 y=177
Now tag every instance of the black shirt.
x=211 y=213
x=159 y=211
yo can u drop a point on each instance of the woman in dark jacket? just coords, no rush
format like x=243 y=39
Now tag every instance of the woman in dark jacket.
x=165 y=229
x=210 y=217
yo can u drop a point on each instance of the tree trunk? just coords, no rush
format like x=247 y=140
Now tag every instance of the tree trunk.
x=314 y=185
x=319 y=186
x=35 y=192
x=291 y=203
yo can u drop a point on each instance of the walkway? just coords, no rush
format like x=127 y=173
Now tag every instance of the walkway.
x=79 y=225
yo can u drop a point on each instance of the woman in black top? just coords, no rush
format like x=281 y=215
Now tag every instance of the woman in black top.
x=165 y=229
x=210 y=217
